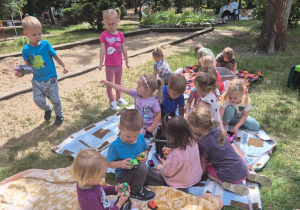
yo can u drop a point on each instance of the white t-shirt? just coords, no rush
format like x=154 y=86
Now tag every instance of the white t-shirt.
x=238 y=107
x=214 y=105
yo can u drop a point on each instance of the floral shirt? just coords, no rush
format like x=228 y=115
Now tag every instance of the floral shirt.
x=162 y=67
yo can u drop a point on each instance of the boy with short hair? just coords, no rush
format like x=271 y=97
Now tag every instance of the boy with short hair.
x=129 y=145
x=226 y=59
x=203 y=51
x=38 y=54
x=173 y=95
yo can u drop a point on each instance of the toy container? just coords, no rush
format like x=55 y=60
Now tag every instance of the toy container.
x=225 y=73
x=159 y=139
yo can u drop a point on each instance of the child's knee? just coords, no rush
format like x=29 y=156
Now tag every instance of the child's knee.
x=39 y=100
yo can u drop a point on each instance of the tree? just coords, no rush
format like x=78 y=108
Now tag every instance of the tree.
x=8 y=7
x=272 y=37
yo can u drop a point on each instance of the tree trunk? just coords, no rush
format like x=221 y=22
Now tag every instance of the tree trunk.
x=272 y=37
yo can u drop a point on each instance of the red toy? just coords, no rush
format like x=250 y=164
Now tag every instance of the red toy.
x=151 y=163
x=152 y=205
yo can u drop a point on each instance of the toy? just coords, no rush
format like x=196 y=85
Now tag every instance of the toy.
x=165 y=151
x=127 y=204
x=158 y=155
x=141 y=156
x=125 y=188
x=134 y=163
x=231 y=136
x=24 y=69
x=152 y=205
x=151 y=163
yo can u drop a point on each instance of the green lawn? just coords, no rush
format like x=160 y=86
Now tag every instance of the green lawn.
x=275 y=107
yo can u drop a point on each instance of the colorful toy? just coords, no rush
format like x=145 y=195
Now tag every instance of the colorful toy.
x=230 y=136
x=158 y=155
x=24 y=69
x=134 y=163
x=165 y=151
x=141 y=156
x=127 y=204
x=152 y=205
x=150 y=163
x=125 y=188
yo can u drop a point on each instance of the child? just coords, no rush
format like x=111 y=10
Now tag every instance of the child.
x=127 y=146
x=112 y=46
x=235 y=107
x=88 y=169
x=145 y=102
x=183 y=160
x=38 y=54
x=160 y=66
x=173 y=95
x=224 y=165
x=226 y=59
x=203 y=51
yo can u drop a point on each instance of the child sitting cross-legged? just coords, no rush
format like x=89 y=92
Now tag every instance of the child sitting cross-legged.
x=129 y=145
x=183 y=158
x=145 y=101
x=88 y=169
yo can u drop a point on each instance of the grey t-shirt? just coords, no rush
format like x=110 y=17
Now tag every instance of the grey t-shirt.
x=205 y=51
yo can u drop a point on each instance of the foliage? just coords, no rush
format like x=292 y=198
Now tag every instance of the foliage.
x=261 y=8
x=71 y=15
x=10 y=6
x=21 y=41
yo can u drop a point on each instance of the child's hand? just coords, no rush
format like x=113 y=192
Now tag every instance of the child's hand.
x=127 y=66
x=235 y=129
x=65 y=70
x=104 y=82
x=161 y=160
x=125 y=164
x=158 y=167
x=18 y=74
x=144 y=159
x=119 y=188
x=122 y=199
x=100 y=67
x=150 y=129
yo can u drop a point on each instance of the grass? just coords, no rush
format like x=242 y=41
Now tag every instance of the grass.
x=274 y=106
x=58 y=35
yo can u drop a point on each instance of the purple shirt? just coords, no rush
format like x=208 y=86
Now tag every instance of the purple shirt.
x=95 y=197
x=229 y=165
x=148 y=107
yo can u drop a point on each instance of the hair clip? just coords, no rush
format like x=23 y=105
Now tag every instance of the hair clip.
x=170 y=117
x=246 y=91
x=145 y=81
x=237 y=87
x=212 y=120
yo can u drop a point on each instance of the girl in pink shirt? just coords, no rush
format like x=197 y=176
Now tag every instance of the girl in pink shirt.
x=182 y=168
x=113 y=46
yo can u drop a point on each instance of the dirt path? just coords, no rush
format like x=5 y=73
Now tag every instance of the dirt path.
x=19 y=116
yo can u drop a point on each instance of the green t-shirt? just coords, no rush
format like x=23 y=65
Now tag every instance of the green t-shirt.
x=205 y=51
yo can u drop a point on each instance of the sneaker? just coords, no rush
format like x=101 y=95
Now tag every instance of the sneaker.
x=59 y=120
x=114 y=106
x=122 y=102
x=47 y=115
x=143 y=194
x=260 y=179
x=236 y=188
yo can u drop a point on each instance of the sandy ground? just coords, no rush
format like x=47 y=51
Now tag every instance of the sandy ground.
x=20 y=116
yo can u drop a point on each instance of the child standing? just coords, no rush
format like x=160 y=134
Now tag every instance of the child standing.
x=160 y=66
x=127 y=146
x=235 y=107
x=88 y=169
x=145 y=102
x=218 y=158
x=173 y=96
x=38 y=54
x=226 y=59
x=183 y=159
x=112 y=46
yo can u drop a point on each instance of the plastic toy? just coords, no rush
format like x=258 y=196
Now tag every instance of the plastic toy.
x=141 y=156
x=158 y=155
x=152 y=205
x=231 y=136
x=125 y=188
x=134 y=163
x=165 y=151
x=150 y=163
x=127 y=204
x=24 y=69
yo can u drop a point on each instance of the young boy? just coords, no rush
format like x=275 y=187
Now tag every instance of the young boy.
x=173 y=96
x=38 y=54
x=226 y=59
x=128 y=146
x=203 y=51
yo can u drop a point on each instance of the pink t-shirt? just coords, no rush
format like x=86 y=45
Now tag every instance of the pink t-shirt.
x=113 y=47
x=182 y=168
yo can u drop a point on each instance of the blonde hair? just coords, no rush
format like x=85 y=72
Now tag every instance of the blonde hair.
x=228 y=53
x=88 y=164
x=157 y=52
x=206 y=81
x=201 y=117
x=131 y=120
x=111 y=13
x=31 y=22
x=153 y=83
x=236 y=85
x=177 y=83
x=197 y=48
x=207 y=61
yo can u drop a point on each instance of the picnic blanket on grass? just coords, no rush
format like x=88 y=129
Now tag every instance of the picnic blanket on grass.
x=190 y=74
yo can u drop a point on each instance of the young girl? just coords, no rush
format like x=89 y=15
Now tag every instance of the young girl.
x=225 y=166
x=145 y=102
x=160 y=66
x=112 y=46
x=235 y=107
x=88 y=169
x=183 y=159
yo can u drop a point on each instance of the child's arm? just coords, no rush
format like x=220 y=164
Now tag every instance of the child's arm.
x=189 y=104
x=145 y=158
x=18 y=73
x=203 y=163
x=102 y=53
x=156 y=120
x=241 y=122
x=120 y=88
x=155 y=72
x=120 y=164
x=181 y=111
x=124 y=50
x=61 y=62
x=123 y=198
x=234 y=67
